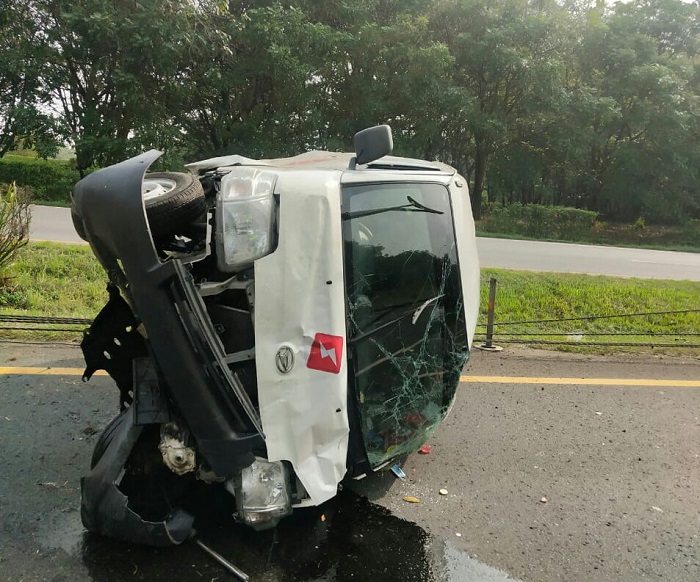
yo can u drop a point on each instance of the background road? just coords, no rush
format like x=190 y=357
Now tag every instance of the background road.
x=53 y=223
x=547 y=480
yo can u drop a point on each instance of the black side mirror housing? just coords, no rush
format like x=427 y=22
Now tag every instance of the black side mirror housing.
x=373 y=143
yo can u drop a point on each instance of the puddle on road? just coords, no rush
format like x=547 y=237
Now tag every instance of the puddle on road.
x=355 y=540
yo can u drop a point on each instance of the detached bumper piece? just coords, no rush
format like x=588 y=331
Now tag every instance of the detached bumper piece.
x=105 y=508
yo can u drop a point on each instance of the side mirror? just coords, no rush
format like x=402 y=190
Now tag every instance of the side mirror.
x=373 y=143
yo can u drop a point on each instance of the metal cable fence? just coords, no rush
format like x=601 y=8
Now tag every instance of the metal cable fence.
x=35 y=323
x=487 y=334
x=522 y=332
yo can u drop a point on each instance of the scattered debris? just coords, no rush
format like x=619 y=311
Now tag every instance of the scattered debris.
x=424 y=450
x=657 y=509
x=459 y=535
x=223 y=561
x=52 y=485
x=396 y=470
x=444 y=491
x=599 y=413
x=411 y=499
x=544 y=500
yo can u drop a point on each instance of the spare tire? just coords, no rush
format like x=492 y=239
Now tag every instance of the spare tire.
x=173 y=200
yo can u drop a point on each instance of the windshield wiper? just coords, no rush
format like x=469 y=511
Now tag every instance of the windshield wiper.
x=416 y=315
x=412 y=206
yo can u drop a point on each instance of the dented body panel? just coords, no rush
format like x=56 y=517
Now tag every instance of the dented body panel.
x=304 y=411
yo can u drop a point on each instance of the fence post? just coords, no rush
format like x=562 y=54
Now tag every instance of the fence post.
x=488 y=344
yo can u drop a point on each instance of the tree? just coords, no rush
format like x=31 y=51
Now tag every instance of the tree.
x=504 y=55
x=248 y=85
x=394 y=72
x=112 y=67
x=630 y=109
x=22 y=123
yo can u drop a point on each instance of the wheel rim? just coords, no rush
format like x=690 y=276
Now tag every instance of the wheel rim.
x=155 y=187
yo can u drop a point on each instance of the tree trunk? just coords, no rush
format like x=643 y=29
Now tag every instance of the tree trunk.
x=479 y=176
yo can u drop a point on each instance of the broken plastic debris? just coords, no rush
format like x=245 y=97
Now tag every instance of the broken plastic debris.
x=444 y=491
x=424 y=450
x=396 y=470
x=599 y=413
x=411 y=499
x=544 y=500
x=459 y=535
x=657 y=509
x=52 y=485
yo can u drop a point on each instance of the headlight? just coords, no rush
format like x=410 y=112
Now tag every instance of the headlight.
x=244 y=214
x=263 y=494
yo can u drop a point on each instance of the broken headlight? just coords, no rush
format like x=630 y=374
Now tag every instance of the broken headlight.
x=263 y=495
x=244 y=211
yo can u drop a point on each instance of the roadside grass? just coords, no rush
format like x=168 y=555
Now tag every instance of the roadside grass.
x=523 y=296
x=50 y=279
x=54 y=280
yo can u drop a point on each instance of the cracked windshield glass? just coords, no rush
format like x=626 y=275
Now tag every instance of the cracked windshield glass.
x=406 y=338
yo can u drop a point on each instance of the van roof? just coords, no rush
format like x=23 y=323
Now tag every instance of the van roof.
x=321 y=160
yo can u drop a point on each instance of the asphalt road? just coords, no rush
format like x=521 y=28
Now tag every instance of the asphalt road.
x=52 y=223
x=548 y=478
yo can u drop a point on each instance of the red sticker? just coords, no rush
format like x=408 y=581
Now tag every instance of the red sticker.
x=326 y=353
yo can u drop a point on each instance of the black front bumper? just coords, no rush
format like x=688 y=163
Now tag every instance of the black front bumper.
x=180 y=338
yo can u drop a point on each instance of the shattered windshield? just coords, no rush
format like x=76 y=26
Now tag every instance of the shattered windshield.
x=407 y=334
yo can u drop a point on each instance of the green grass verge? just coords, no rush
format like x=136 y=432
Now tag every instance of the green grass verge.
x=54 y=280
x=525 y=297
x=67 y=281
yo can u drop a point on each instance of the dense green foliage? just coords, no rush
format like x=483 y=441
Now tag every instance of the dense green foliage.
x=576 y=103
x=540 y=222
x=560 y=223
x=48 y=180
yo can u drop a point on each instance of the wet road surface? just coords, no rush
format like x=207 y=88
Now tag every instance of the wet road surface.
x=617 y=467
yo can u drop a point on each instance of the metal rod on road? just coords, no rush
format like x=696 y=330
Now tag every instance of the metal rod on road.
x=223 y=561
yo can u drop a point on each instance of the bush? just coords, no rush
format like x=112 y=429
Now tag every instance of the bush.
x=14 y=226
x=691 y=232
x=48 y=180
x=538 y=221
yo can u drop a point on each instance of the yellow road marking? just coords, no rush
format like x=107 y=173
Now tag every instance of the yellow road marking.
x=580 y=381
x=46 y=371
x=36 y=371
